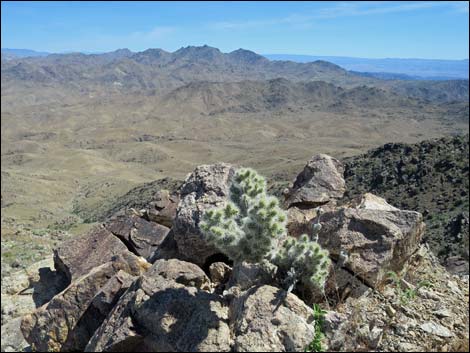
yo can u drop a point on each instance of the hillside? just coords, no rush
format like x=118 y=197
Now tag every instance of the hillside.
x=431 y=177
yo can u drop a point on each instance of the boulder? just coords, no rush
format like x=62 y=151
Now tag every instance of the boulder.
x=320 y=182
x=78 y=255
x=141 y=236
x=163 y=209
x=162 y=311
x=264 y=320
x=371 y=241
x=182 y=272
x=206 y=188
x=70 y=318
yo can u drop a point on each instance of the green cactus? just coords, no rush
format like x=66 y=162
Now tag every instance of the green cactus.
x=252 y=228
x=305 y=258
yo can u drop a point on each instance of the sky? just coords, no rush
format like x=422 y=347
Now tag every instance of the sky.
x=373 y=29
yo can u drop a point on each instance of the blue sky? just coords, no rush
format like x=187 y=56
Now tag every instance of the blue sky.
x=424 y=29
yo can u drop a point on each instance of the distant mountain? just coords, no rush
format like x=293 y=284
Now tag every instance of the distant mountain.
x=415 y=68
x=21 y=53
x=158 y=72
x=156 y=69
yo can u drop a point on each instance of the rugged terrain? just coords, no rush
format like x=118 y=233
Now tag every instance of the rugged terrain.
x=79 y=131
x=146 y=279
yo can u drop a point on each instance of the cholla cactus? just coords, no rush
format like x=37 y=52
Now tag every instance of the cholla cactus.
x=305 y=259
x=251 y=226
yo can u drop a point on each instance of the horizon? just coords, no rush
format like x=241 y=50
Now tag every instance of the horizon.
x=226 y=52
x=374 y=30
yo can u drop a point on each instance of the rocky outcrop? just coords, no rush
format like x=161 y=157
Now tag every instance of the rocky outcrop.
x=371 y=240
x=97 y=247
x=207 y=187
x=163 y=311
x=141 y=236
x=62 y=324
x=320 y=182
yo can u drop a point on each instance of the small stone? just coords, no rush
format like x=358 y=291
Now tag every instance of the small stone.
x=435 y=329
x=390 y=311
x=454 y=287
x=219 y=272
x=442 y=313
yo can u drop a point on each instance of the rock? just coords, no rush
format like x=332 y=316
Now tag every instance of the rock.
x=12 y=338
x=25 y=290
x=332 y=321
x=159 y=314
x=369 y=201
x=435 y=329
x=220 y=272
x=262 y=324
x=390 y=311
x=70 y=318
x=163 y=209
x=246 y=275
x=427 y=294
x=457 y=265
x=15 y=282
x=320 y=182
x=182 y=272
x=442 y=313
x=299 y=220
x=206 y=188
x=78 y=255
x=142 y=237
x=374 y=241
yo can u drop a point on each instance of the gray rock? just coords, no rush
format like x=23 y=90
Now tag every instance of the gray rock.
x=78 y=255
x=374 y=241
x=246 y=275
x=320 y=182
x=12 y=338
x=206 y=188
x=263 y=324
x=142 y=237
x=436 y=329
x=159 y=314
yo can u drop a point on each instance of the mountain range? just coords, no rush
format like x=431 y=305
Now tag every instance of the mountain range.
x=80 y=130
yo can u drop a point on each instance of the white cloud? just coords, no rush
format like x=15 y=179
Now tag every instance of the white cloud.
x=341 y=9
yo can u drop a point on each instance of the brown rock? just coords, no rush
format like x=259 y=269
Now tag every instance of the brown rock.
x=219 y=272
x=141 y=237
x=78 y=255
x=320 y=182
x=70 y=318
x=163 y=209
x=373 y=241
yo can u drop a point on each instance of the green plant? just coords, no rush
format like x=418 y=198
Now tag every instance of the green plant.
x=252 y=228
x=318 y=318
x=408 y=294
